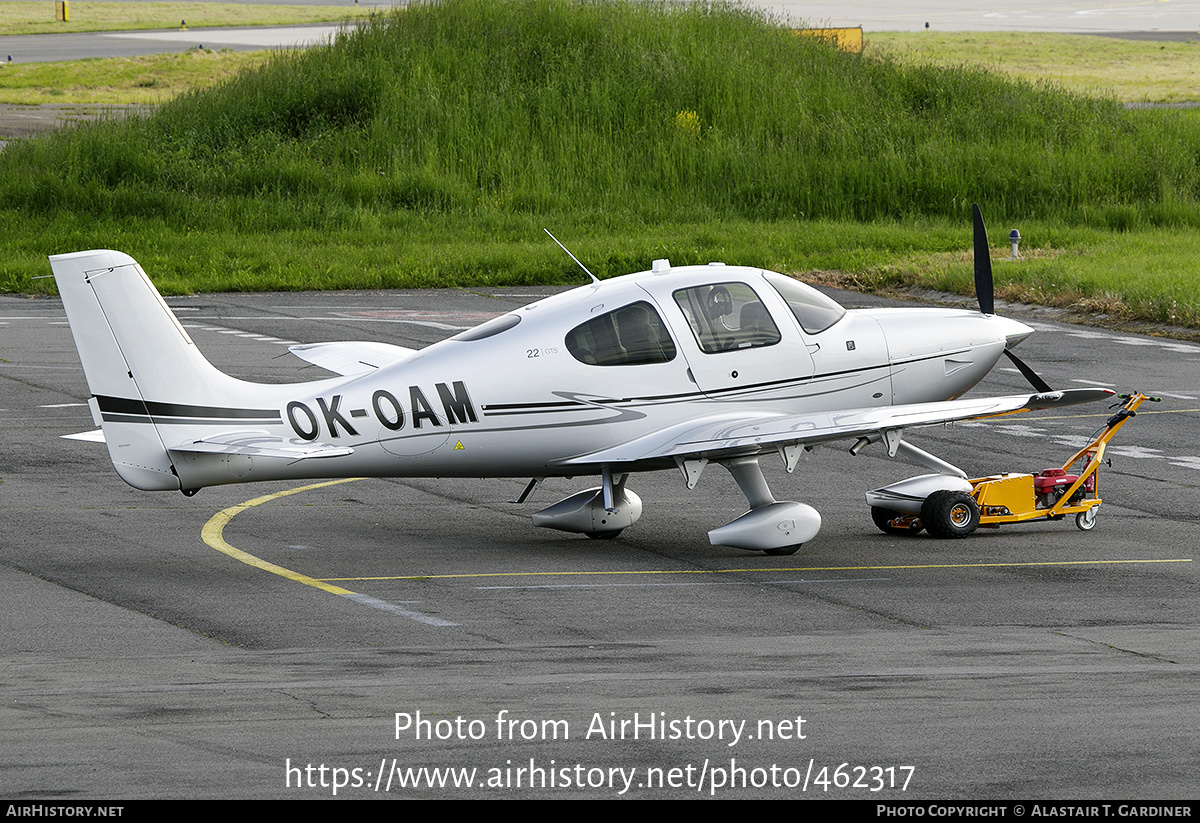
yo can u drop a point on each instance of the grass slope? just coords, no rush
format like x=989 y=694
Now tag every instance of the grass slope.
x=430 y=147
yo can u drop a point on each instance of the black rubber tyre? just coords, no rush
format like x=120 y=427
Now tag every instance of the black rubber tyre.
x=783 y=551
x=1086 y=521
x=604 y=535
x=883 y=520
x=950 y=514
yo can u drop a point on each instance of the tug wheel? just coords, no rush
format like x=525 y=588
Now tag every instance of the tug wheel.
x=883 y=520
x=950 y=514
x=1086 y=521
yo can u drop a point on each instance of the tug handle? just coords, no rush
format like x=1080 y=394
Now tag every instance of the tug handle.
x=1119 y=416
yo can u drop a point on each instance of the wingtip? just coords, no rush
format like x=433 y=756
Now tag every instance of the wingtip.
x=1069 y=397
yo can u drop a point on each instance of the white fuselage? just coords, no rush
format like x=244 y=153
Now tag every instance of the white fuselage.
x=521 y=401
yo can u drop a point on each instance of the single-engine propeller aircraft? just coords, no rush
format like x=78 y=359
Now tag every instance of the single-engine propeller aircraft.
x=673 y=368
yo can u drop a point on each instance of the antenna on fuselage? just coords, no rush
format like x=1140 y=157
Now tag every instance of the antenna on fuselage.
x=595 y=279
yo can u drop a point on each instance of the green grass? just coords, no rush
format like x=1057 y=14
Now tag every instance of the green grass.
x=146 y=80
x=1085 y=269
x=431 y=147
x=409 y=250
x=1145 y=275
x=544 y=107
x=1132 y=71
x=20 y=17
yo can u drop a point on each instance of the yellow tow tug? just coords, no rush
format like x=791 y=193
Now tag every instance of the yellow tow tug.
x=949 y=507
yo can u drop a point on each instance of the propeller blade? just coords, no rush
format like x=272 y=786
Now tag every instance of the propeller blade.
x=983 y=265
x=1030 y=375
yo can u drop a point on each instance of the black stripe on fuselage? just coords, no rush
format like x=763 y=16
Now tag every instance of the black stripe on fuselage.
x=129 y=410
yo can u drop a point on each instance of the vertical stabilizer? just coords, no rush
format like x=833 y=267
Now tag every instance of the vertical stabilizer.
x=139 y=362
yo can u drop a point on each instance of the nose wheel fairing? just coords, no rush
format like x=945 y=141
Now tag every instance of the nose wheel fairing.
x=600 y=512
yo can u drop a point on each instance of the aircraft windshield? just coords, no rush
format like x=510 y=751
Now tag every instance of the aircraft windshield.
x=814 y=311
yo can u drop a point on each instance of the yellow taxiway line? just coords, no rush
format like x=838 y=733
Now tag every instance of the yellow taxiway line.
x=772 y=570
x=213 y=534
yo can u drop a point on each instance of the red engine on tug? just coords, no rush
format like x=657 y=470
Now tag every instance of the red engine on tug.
x=1050 y=480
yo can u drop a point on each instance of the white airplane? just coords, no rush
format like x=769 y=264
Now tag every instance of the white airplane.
x=673 y=368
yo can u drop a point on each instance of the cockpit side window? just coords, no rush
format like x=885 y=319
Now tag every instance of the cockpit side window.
x=632 y=335
x=726 y=317
x=814 y=311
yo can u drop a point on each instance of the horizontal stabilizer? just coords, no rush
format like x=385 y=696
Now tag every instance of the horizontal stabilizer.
x=95 y=436
x=352 y=358
x=261 y=444
x=748 y=433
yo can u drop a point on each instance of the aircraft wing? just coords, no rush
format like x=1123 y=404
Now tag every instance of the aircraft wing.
x=737 y=432
x=261 y=444
x=353 y=358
